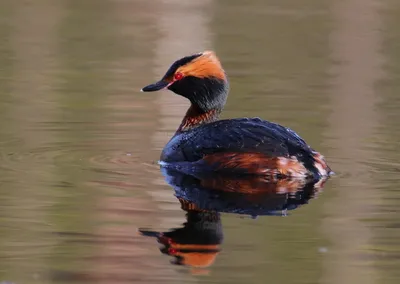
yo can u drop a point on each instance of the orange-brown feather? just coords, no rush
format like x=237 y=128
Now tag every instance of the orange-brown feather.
x=195 y=117
x=194 y=246
x=196 y=259
x=257 y=163
x=252 y=163
x=189 y=206
x=200 y=255
x=291 y=167
x=255 y=185
x=206 y=65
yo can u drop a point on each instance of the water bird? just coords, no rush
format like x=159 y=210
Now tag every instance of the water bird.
x=203 y=142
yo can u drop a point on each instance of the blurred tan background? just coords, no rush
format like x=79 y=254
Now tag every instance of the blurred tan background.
x=78 y=139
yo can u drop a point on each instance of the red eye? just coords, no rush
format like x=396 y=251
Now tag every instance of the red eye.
x=178 y=76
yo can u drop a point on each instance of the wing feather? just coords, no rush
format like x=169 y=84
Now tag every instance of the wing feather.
x=237 y=135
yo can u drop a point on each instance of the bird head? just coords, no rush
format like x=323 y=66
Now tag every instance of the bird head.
x=199 y=78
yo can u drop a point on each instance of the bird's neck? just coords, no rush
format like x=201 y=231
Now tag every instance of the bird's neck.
x=195 y=117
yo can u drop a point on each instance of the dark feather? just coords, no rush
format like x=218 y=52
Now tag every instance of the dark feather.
x=242 y=135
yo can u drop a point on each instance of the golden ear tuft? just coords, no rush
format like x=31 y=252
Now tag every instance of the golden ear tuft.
x=206 y=65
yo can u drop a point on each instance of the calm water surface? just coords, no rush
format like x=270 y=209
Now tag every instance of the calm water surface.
x=78 y=141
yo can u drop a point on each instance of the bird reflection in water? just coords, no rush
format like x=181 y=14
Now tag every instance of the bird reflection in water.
x=204 y=198
x=197 y=243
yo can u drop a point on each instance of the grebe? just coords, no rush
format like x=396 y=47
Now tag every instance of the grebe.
x=241 y=145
